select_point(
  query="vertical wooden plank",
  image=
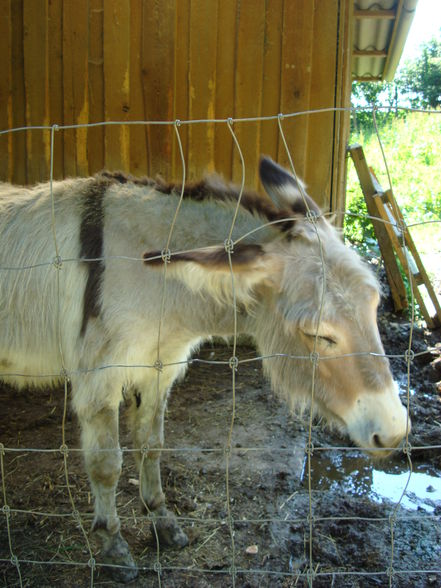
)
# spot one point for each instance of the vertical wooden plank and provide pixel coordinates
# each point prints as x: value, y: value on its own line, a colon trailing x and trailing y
x: 35, y: 70
x: 181, y: 83
x: 116, y: 81
x: 225, y: 68
x: 158, y: 75
x: 138, y: 134
x: 343, y: 99
x: 297, y: 45
x: 95, y: 136
x: 202, y: 77
x: 271, y: 75
x: 249, y: 80
x: 75, y: 81
x: 320, y: 144
x: 55, y: 80
x: 5, y: 87
x: 18, y: 151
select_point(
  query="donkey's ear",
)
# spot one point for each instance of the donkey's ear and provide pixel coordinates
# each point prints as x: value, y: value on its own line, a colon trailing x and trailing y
x: 285, y: 190
x: 209, y: 269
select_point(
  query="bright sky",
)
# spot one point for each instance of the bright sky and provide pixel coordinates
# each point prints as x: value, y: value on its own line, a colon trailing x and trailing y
x: 426, y: 24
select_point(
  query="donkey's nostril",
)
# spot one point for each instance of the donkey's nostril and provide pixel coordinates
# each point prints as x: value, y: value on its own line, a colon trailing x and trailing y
x: 376, y: 441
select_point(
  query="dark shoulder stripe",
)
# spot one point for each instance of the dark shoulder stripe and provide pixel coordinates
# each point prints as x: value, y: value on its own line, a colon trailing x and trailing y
x: 91, y: 247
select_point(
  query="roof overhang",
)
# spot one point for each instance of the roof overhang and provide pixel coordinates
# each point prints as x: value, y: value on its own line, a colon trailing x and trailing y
x: 380, y: 32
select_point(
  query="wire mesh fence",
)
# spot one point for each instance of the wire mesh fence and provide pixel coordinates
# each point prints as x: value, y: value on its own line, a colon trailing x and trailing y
x: 73, y: 502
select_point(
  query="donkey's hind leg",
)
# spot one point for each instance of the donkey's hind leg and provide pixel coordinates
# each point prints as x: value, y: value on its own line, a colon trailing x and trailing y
x: 103, y: 457
x: 147, y: 424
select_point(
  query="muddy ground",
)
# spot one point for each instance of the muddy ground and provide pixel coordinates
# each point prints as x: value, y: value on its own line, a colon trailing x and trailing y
x: 268, y: 488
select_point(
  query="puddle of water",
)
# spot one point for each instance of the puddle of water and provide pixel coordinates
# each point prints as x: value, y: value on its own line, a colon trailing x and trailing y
x: 422, y: 491
x: 356, y: 475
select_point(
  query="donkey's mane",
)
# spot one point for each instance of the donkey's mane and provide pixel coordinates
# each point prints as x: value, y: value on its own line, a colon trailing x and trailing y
x: 212, y: 188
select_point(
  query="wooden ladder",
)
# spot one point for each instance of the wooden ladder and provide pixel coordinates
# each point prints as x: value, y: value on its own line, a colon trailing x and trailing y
x: 394, y: 237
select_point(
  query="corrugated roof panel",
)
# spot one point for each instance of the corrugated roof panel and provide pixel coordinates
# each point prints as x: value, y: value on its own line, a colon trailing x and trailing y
x: 380, y: 32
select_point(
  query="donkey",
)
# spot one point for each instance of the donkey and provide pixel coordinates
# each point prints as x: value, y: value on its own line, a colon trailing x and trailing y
x: 308, y: 300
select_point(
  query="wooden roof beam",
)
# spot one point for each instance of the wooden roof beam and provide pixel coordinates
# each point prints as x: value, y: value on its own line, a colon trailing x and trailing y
x: 366, y: 78
x: 377, y: 14
x: 369, y: 53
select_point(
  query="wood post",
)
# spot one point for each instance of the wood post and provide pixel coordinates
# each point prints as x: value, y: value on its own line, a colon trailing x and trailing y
x: 394, y: 238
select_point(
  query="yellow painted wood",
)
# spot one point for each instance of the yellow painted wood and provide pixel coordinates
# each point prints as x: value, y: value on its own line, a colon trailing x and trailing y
x: 35, y: 76
x: 158, y: 60
x: 202, y: 84
x: 95, y: 135
x: 116, y: 82
x: 5, y: 84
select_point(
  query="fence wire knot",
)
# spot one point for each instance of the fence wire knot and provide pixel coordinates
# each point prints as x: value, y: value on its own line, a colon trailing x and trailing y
x: 280, y: 116
x: 309, y: 449
x: 92, y: 563
x: 57, y: 262
x: 229, y: 246
x: 6, y: 510
x: 64, y: 374
x: 233, y: 362
x: 312, y: 216
x: 14, y: 560
x: 314, y: 357
x: 407, y: 449
x: 401, y: 227
x: 390, y: 572
x: 166, y: 255
x: 76, y: 516
x: 158, y: 365
x: 409, y: 355
x: 177, y: 123
x: 157, y: 567
x: 310, y: 574
x: 64, y: 450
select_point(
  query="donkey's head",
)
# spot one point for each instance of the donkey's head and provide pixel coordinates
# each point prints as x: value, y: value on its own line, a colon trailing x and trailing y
x: 324, y: 310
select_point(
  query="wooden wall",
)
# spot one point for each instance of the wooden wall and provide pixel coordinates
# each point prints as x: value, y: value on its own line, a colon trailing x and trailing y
x: 77, y: 61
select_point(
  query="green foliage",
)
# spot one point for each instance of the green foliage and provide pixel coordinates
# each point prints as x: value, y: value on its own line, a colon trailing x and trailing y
x: 358, y: 227
x: 413, y: 151
x: 417, y: 84
x: 371, y: 94
x: 420, y: 79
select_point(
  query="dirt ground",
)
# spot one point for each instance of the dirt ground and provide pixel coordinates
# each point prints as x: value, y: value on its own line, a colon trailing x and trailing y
x: 268, y: 488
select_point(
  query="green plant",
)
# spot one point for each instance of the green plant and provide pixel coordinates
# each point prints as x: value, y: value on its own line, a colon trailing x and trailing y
x: 413, y: 153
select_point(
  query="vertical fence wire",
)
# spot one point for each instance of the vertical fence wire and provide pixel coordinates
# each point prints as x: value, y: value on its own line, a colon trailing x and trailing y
x: 160, y: 399
x: 407, y: 446
x: 315, y: 356
x: 234, y: 364
x: 64, y: 449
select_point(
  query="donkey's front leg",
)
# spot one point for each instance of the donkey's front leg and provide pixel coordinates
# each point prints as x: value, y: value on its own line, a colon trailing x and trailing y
x: 147, y: 418
x: 103, y: 463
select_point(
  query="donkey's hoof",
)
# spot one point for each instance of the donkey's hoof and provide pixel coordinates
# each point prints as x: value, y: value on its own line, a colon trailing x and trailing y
x: 121, y: 565
x: 124, y: 575
x: 168, y: 530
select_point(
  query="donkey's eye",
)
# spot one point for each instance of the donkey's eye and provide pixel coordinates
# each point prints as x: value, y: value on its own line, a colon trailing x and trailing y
x: 326, y: 340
